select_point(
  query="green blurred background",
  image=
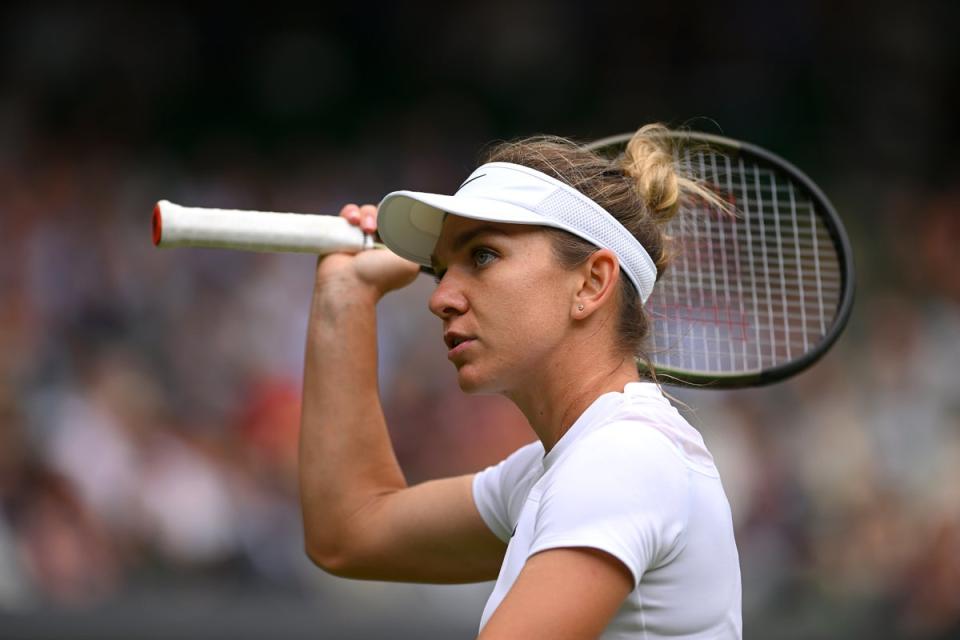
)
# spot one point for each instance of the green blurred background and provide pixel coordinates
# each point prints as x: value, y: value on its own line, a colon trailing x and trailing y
x: 149, y: 399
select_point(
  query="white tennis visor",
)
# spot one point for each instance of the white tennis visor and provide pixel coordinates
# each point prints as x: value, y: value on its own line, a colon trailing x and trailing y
x: 409, y: 222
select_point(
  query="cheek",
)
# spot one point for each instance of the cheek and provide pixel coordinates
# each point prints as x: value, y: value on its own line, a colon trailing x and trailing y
x: 535, y: 311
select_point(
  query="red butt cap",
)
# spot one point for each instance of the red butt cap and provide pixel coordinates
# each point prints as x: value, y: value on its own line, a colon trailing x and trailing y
x: 157, y: 225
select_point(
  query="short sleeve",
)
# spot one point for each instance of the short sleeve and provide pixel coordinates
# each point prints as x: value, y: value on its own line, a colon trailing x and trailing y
x: 623, y: 490
x: 499, y: 491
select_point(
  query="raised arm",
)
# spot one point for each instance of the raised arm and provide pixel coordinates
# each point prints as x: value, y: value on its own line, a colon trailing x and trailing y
x: 360, y: 518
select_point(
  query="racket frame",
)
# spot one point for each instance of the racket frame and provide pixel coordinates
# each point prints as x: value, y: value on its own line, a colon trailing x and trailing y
x: 834, y: 227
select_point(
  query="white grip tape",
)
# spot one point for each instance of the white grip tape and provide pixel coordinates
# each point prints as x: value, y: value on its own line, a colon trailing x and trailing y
x: 176, y: 226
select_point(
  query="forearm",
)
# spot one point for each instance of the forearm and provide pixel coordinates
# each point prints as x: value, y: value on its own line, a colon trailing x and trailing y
x: 346, y: 458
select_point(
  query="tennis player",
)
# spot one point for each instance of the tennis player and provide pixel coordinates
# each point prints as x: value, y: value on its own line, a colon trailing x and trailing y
x: 614, y: 524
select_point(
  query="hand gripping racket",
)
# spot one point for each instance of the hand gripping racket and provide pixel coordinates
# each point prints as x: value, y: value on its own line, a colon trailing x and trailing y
x: 750, y: 298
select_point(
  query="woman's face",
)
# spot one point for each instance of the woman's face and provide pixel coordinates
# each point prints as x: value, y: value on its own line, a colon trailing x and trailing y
x: 504, y: 300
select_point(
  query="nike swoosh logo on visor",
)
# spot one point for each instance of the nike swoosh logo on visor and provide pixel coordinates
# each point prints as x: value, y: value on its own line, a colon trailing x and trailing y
x: 469, y: 180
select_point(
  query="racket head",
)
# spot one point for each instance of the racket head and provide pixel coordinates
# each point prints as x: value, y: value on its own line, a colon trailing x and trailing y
x: 751, y: 297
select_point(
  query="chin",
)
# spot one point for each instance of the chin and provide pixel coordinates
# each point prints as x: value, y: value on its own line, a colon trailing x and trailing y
x: 470, y: 385
x: 475, y: 382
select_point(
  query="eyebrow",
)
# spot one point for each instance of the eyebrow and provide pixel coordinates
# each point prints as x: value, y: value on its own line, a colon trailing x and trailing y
x: 464, y: 238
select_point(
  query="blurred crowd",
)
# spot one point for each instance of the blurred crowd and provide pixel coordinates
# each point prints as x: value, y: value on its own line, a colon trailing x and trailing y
x: 150, y: 407
x: 149, y: 399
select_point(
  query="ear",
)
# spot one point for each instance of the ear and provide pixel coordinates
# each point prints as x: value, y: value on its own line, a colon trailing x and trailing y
x: 600, y: 274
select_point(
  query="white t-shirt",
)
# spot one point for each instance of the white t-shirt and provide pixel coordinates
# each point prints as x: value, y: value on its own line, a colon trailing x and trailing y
x: 632, y: 478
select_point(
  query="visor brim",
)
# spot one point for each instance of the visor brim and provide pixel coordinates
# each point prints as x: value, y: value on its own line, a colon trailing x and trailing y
x: 409, y: 222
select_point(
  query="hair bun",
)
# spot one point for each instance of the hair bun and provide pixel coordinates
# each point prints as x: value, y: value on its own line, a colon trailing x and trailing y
x: 648, y: 159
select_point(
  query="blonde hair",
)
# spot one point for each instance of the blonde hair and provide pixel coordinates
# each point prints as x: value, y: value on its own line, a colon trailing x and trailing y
x: 643, y: 188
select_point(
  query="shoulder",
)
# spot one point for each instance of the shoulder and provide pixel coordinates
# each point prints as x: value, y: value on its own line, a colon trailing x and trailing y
x: 646, y: 407
x: 622, y: 489
x: 500, y: 490
x: 623, y: 458
x: 525, y: 457
x: 510, y: 473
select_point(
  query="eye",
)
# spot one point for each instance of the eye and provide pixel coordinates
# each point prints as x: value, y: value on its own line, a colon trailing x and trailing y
x: 483, y: 256
x: 438, y: 275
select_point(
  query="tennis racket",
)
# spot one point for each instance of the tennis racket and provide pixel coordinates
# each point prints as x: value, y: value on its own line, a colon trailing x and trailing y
x: 750, y: 298
x: 754, y: 296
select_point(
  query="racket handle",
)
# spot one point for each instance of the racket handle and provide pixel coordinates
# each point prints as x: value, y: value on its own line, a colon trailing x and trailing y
x: 176, y: 226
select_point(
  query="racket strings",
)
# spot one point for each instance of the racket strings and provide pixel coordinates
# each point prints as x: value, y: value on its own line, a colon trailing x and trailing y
x: 745, y: 292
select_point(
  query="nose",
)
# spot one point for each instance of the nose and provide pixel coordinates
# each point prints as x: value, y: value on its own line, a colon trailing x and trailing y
x: 448, y: 299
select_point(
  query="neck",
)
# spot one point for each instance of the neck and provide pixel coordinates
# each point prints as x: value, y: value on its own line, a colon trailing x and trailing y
x: 566, y: 387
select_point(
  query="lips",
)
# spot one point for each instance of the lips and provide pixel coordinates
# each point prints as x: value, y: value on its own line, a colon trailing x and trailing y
x: 454, y: 338
x: 457, y: 342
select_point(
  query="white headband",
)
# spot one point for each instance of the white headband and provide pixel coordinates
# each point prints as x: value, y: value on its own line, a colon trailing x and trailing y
x: 409, y: 222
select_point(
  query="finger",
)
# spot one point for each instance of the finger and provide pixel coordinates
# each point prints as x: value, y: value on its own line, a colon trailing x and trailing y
x: 351, y: 212
x: 368, y: 218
